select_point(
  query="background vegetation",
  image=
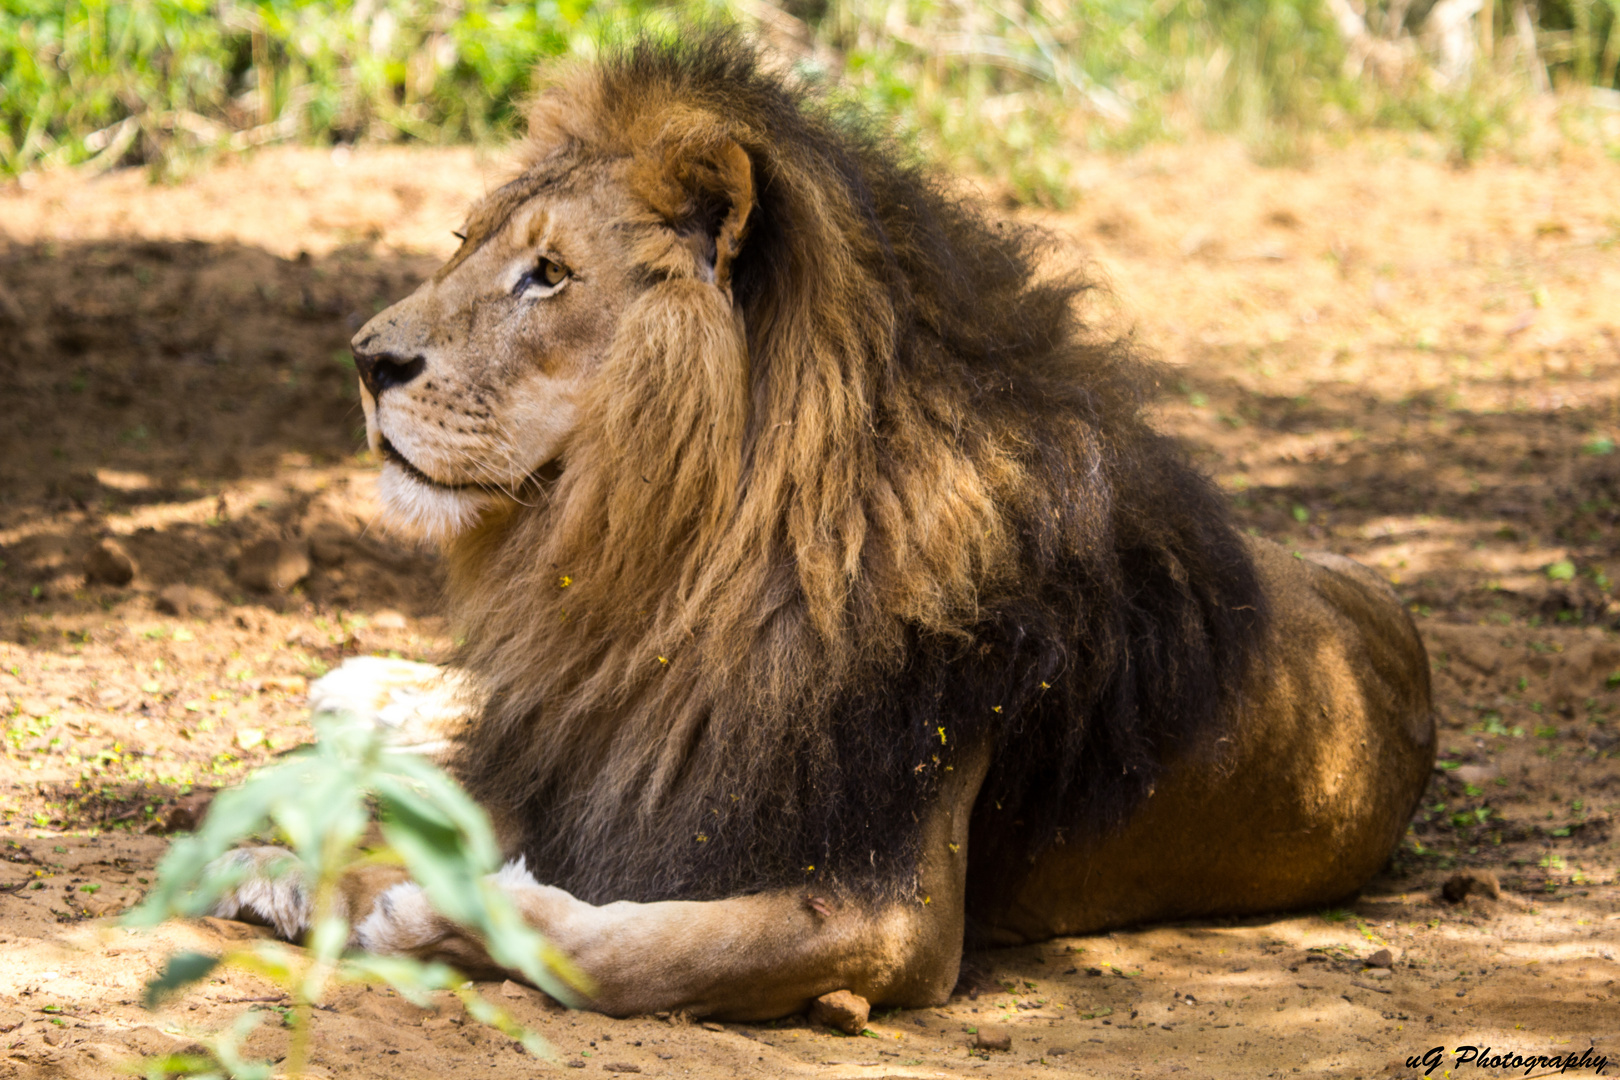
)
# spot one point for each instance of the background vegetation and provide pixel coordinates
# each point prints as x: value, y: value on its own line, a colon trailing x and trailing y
x: 998, y: 85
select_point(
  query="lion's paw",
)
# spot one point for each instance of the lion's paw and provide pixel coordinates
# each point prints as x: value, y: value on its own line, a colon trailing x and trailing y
x: 274, y: 890
x: 401, y: 921
x: 414, y: 705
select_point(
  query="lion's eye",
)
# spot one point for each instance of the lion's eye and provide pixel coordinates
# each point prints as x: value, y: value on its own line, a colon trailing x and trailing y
x: 547, y: 274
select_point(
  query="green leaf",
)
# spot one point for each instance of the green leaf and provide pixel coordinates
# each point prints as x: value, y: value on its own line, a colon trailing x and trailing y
x: 486, y: 1012
x: 432, y: 849
x: 181, y: 889
x: 273, y: 960
x: 329, y: 936
x: 1562, y: 570
x: 194, y: 1066
x: 181, y: 970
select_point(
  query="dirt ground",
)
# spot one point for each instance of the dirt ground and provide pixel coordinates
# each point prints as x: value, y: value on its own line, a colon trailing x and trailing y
x: 1378, y: 354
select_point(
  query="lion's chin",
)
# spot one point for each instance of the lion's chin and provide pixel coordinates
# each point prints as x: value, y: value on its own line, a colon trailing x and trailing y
x: 427, y: 512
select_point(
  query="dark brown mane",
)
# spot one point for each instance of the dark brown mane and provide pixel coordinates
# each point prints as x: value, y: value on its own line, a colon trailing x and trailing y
x: 911, y: 506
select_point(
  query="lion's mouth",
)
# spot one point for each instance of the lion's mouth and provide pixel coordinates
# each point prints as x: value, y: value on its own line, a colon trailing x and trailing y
x: 391, y: 452
x: 544, y: 475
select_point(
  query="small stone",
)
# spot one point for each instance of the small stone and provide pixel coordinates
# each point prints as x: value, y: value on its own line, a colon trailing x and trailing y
x: 842, y: 1010
x: 273, y: 565
x: 1379, y: 973
x: 187, y: 601
x: 514, y: 991
x: 992, y: 1038
x: 55, y: 1036
x: 11, y: 1020
x: 709, y: 1025
x: 620, y: 1067
x: 576, y: 1063
x: 1383, y: 958
x: 1465, y: 883
x: 388, y: 620
x: 109, y: 564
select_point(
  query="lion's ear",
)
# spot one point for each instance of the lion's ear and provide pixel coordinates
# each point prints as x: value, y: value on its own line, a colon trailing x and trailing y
x: 706, y: 193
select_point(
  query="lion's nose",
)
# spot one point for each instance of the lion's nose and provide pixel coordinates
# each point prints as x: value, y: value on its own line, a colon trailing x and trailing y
x: 381, y: 370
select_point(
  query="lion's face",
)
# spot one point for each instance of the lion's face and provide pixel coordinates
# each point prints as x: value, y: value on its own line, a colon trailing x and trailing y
x: 473, y: 383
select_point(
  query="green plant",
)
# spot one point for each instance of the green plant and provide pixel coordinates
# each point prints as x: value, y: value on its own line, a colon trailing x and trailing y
x: 317, y: 800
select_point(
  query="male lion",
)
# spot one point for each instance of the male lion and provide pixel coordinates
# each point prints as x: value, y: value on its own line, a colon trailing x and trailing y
x: 828, y: 598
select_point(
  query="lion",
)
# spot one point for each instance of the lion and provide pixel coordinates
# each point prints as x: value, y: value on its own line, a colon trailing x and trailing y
x: 830, y: 602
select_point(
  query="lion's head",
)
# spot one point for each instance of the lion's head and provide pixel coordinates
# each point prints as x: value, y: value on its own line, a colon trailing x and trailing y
x: 475, y: 383
x: 770, y: 473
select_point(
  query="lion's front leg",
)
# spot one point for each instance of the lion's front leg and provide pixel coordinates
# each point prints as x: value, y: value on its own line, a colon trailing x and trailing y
x: 418, y: 707
x: 743, y: 958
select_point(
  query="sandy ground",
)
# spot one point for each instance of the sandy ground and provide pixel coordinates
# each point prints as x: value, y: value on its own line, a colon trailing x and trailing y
x: 1380, y: 355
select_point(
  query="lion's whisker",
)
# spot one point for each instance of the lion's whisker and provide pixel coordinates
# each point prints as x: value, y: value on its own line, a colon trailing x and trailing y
x: 506, y: 446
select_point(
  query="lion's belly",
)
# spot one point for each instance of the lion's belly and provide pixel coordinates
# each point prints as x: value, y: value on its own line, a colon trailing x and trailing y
x: 1305, y: 801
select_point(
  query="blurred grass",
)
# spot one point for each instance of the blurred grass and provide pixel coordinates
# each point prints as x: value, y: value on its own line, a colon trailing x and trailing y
x: 1010, y: 90
x: 150, y: 80
x: 1007, y: 89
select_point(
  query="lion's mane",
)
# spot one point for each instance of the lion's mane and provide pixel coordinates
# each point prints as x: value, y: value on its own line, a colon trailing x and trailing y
x: 804, y: 549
